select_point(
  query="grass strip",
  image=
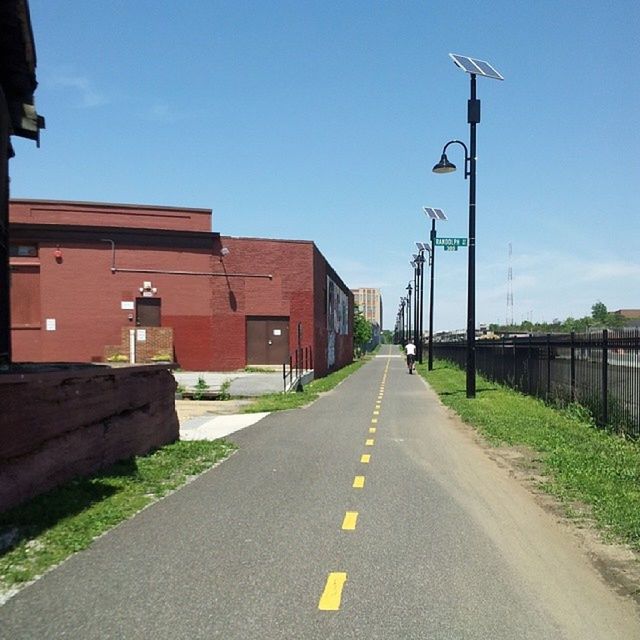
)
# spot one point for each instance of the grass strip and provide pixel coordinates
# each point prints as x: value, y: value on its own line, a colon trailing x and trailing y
x: 46, y: 530
x: 582, y: 463
x: 295, y: 399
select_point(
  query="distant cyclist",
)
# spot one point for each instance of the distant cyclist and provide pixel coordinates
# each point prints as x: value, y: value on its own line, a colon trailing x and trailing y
x: 410, y: 348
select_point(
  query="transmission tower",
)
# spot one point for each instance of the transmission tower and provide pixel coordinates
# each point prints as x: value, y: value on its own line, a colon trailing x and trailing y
x: 510, y: 291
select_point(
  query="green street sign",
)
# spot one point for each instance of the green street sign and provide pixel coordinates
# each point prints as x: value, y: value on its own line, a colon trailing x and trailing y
x: 451, y: 242
x: 448, y: 247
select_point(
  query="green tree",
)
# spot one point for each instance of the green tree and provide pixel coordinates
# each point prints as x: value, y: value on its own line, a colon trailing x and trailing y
x: 362, y: 331
x: 599, y: 313
x: 387, y: 336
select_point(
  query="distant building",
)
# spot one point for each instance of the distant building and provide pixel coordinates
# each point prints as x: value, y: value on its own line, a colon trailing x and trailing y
x: 369, y: 301
x: 631, y: 316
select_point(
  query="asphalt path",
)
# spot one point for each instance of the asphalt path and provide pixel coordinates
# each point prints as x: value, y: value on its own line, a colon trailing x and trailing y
x: 299, y: 536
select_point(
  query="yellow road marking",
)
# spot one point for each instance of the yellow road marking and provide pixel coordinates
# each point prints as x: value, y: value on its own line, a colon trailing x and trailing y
x: 332, y: 594
x: 358, y: 482
x: 369, y: 442
x: 372, y: 429
x: 376, y: 413
x: 350, y: 519
x: 365, y: 457
x: 374, y: 420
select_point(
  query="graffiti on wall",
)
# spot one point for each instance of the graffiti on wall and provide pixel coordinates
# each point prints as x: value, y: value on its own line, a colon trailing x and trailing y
x: 337, y: 318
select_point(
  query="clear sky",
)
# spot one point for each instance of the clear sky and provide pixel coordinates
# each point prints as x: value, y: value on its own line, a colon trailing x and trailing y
x: 321, y: 120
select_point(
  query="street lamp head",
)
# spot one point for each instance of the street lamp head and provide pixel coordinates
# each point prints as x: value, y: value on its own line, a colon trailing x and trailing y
x: 444, y: 166
x: 409, y: 287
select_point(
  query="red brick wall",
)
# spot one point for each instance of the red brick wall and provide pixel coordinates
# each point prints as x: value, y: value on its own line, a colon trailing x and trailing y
x: 62, y: 423
x: 158, y: 342
x: 207, y: 313
x: 110, y: 215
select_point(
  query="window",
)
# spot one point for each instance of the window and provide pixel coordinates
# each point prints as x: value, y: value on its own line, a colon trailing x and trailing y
x: 23, y: 251
x: 25, y: 296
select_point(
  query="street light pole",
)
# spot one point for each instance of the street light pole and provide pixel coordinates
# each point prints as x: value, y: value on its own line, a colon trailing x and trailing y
x: 473, y: 67
x: 409, y: 312
x: 432, y: 256
x: 420, y: 263
x: 416, y: 300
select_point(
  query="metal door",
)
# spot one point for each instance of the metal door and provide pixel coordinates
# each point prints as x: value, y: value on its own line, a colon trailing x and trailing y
x: 148, y: 312
x: 267, y: 340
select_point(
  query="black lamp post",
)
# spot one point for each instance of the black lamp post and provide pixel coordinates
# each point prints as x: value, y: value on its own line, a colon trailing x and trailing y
x: 434, y: 214
x: 473, y: 67
x: 416, y: 299
x: 409, y: 310
x: 418, y: 262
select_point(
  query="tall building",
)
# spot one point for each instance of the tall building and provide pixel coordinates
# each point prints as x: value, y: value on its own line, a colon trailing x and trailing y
x: 369, y: 301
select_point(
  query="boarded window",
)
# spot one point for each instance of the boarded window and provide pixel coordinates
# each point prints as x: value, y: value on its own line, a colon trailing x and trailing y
x: 25, y: 296
x: 23, y: 250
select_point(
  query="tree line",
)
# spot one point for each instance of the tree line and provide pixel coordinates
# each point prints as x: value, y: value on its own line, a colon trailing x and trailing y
x: 600, y: 318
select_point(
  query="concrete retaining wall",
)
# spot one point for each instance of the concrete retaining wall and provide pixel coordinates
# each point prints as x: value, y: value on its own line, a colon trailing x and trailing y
x: 58, y: 422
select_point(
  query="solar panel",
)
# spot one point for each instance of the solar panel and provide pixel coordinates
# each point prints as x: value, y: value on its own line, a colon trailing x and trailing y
x: 475, y: 66
x: 423, y: 246
x: 435, y: 214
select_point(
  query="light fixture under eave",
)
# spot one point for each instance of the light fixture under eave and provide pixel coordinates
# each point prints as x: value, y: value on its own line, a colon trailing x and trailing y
x: 444, y: 166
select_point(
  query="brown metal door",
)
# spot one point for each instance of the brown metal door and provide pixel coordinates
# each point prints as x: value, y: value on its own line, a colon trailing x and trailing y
x: 148, y: 312
x: 267, y: 340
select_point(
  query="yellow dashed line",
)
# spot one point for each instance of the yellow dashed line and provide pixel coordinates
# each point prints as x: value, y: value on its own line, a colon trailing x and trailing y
x: 374, y: 420
x: 365, y: 458
x: 372, y: 429
x: 350, y: 519
x: 358, y: 482
x: 369, y: 442
x: 332, y: 594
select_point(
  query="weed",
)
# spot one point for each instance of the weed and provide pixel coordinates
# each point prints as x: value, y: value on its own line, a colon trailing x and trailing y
x: 224, y: 390
x: 201, y: 388
x: 118, y: 357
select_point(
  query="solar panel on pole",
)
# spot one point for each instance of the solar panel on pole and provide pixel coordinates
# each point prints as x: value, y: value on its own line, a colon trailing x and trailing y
x: 434, y: 214
x: 476, y: 66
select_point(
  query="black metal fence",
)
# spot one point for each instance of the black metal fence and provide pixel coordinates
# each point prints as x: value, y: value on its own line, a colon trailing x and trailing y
x: 600, y: 371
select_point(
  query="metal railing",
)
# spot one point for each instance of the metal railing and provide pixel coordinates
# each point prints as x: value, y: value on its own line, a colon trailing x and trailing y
x: 300, y: 362
x: 599, y: 370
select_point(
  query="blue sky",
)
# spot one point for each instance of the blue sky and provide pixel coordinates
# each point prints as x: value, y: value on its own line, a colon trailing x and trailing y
x: 322, y: 121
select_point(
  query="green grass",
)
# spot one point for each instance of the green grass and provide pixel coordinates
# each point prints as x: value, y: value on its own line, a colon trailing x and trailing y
x: 49, y: 528
x: 293, y: 400
x: 582, y: 463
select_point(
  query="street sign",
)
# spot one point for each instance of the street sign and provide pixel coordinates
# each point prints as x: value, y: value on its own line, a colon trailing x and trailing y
x: 451, y: 242
x: 449, y: 247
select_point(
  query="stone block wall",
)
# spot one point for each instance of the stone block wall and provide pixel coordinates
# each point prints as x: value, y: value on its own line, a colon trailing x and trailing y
x: 67, y: 421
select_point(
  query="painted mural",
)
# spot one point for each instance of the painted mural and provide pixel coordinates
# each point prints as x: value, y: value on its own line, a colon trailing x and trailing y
x: 337, y: 318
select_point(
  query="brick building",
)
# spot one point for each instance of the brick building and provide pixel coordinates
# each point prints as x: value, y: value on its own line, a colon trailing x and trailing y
x: 369, y: 301
x: 91, y: 282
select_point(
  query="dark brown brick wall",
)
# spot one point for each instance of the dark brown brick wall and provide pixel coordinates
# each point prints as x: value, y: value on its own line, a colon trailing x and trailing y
x: 74, y: 421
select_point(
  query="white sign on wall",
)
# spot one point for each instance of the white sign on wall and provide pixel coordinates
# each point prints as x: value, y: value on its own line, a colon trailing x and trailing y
x: 141, y: 335
x: 50, y: 324
x: 127, y: 304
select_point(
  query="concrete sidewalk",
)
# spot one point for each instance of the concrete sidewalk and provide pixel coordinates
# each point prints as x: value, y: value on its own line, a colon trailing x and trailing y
x: 244, y: 384
x: 212, y: 419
